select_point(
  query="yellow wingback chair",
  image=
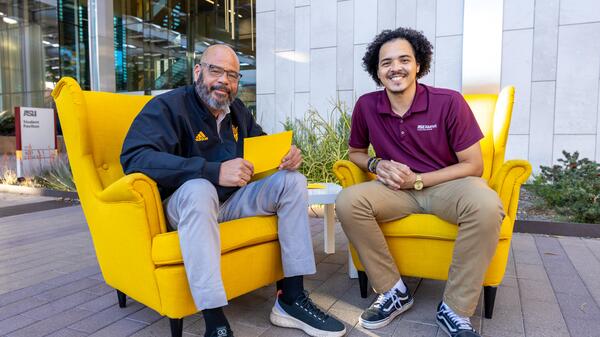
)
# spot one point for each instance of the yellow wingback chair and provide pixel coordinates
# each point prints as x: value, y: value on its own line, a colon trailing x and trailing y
x: 422, y: 244
x: 136, y: 254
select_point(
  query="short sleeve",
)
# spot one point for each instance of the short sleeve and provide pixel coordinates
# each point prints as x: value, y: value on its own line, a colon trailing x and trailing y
x: 359, y: 130
x: 463, y: 128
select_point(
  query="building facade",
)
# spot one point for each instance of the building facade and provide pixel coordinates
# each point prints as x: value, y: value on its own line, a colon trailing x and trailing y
x: 153, y: 47
x: 309, y: 54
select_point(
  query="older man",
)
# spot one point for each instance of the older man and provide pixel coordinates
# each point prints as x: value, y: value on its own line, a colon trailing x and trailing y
x: 190, y: 141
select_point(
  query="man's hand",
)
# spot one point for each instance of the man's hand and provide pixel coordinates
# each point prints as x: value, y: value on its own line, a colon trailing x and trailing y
x: 235, y: 172
x: 292, y: 160
x: 395, y: 175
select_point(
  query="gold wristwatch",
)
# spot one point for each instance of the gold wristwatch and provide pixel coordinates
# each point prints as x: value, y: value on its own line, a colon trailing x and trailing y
x: 418, y: 183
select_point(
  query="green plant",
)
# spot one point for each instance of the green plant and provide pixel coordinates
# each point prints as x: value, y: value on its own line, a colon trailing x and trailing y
x: 7, y: 123
x: 323, y: 141
x: 9, y: 177
x: 571, y: 188
x: 57, y: 175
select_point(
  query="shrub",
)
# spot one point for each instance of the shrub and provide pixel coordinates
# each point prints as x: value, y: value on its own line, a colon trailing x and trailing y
x: 57, y: 175
x: 323, y: 141
x: 572, y: 188
x: 7, y: 123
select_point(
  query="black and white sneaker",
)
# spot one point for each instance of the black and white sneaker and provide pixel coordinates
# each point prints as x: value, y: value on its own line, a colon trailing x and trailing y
x: 385, y: 308
x: 221, y: 331
x: 452, y: 324
x: 303, y: 314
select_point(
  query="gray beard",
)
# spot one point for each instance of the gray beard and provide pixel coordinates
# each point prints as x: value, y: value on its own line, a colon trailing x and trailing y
x: 204, y: 94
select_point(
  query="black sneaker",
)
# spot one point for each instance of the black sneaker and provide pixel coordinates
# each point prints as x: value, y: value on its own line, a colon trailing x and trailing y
x: 303, y: 314
x: 452, y: 324
x: 385, y: 308
x: 221, y: 331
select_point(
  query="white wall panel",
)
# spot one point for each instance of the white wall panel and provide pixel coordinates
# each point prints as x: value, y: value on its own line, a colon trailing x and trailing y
x: 323, y: 79
x: 365, y: 25
x: 323, y: 23
x: 516, y: 70
x: 577, y: 79
x: 302, y: 50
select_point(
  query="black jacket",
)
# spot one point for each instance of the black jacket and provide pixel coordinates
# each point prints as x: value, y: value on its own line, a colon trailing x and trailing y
x: 174, y: 139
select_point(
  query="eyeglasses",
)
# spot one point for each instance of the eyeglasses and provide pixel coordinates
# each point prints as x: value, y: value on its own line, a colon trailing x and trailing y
x: 217, y: 71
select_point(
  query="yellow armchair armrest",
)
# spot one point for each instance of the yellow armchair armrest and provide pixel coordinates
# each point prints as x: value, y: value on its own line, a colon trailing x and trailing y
x: 138, y: 188
x: 350, y: 174
x: 123, y: 190
x: 507, y: 183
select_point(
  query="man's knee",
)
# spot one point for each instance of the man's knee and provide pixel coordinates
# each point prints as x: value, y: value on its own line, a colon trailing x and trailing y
x: 291, y: 181
x: 486, y: 208
x: 294, y: 179
x: 348, y: 201
x: 197, y: 194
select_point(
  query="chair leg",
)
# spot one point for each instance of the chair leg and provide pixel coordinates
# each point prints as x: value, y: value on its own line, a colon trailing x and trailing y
x: 122, y: 299
x: 489, y: 297
x: 362, y: 282
x: 176, y: 327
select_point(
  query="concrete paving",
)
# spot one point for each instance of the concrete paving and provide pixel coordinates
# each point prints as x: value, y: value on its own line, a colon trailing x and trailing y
x: 50, y: 285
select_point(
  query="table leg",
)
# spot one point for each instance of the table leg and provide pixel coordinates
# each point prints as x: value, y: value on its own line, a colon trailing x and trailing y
x: 352, y: 272
x: 329, y: 219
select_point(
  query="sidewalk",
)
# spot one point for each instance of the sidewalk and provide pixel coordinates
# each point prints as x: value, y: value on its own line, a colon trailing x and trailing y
x: 50, y: 285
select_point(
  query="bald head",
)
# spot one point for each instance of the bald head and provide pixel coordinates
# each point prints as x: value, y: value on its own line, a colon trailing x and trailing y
x: 221, y: 53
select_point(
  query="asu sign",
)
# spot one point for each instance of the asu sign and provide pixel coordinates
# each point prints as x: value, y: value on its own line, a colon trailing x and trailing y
x: 35, y: 130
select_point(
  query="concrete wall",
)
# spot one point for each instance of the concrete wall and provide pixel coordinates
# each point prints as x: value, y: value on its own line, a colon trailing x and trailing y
x: 551, y: 53
x: 309, y: 53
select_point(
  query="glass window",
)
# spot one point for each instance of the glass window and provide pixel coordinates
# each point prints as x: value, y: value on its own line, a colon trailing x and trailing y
x: 40, y: 42
x: 158, y: 42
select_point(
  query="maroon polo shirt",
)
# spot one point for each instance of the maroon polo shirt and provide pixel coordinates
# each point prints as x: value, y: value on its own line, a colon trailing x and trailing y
x: 438, y: 124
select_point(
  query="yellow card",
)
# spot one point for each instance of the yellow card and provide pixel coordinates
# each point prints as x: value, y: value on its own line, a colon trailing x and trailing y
x: 266, y: 152
x: 315, y: 186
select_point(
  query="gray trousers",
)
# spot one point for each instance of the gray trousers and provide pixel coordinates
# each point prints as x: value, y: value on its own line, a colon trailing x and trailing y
x: 195, y: 212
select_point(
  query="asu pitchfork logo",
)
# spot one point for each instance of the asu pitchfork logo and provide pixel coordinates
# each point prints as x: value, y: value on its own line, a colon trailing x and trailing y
x: 234, y: 129
x: 201, y: 137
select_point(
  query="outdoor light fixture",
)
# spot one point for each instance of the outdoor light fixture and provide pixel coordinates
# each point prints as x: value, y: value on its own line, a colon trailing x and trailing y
x: 8, y: 20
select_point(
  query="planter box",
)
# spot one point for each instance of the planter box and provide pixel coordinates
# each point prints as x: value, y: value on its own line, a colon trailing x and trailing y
x: 558, y: 228
x: 8, y: 144
x: 43, y: 192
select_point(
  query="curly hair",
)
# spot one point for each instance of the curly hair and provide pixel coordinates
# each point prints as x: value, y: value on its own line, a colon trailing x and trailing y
x: 422, y: 49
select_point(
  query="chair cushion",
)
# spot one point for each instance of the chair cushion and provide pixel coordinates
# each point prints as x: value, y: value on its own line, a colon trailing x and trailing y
x: 432, y: 227
x: 235, y: 234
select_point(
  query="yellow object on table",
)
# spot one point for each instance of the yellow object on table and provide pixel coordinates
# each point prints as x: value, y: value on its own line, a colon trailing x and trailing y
x: 315, y: 186
x: 266, y: 152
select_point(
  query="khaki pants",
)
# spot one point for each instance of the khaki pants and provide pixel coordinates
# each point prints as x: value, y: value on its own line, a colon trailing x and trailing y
x: 468, y: 202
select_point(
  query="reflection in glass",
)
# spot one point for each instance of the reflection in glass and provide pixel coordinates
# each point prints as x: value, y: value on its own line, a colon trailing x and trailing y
x: 157, y: 43
x: 40, y: 41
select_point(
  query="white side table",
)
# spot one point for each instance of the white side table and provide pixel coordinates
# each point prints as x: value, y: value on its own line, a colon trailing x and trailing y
x: 326, y: 196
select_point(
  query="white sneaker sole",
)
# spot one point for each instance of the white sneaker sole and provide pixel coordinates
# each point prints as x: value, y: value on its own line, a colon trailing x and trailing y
x: 384, y: 322
x: 443, y: 327
x: 286, y: 321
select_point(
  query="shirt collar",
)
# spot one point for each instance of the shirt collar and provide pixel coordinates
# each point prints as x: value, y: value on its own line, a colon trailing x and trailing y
x: 222, y: 115
x: 419, y: 104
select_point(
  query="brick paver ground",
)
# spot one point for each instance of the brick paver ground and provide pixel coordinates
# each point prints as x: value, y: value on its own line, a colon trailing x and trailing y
x: 50, y: 285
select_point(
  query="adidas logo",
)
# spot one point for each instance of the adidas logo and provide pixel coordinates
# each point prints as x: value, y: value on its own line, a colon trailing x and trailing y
x: 200, y: 137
